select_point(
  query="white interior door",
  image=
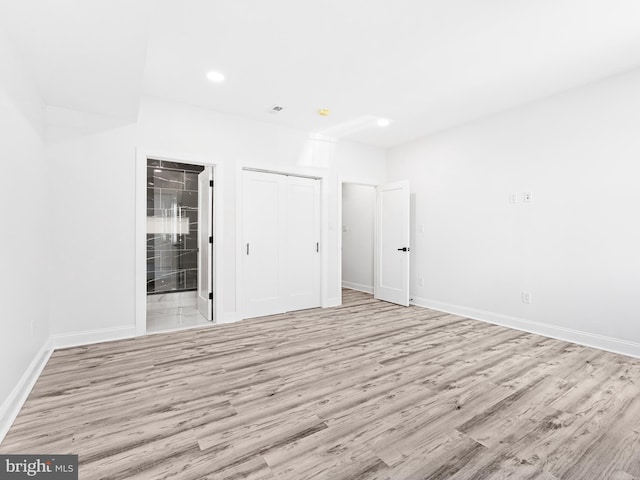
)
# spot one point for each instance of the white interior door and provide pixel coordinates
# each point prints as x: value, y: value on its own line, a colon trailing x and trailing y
x: 205, y: 243
x: 263, y: 244
x: 302, y: 266
x: 391, y: 264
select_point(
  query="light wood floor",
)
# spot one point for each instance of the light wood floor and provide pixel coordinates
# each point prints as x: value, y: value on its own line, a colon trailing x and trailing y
x: 369, y: 390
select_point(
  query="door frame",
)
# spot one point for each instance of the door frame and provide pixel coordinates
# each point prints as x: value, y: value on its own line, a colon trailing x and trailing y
x: 142, y: 155
x: 324, y: 227
x: 341, y: 182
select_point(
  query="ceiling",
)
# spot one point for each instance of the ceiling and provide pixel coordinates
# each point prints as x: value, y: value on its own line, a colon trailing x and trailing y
x: 424, y: 64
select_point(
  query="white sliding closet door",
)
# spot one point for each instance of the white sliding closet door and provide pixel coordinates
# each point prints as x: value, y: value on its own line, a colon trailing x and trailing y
x: 264, y: 246
x: 303, y: 249
x: 281, y: 251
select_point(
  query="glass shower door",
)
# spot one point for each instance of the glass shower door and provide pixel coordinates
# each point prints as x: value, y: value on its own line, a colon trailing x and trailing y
x: 172, y: 227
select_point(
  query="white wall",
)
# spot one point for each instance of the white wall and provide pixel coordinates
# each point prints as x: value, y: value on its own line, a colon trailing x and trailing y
x: 26, y: 237
x: 574, y: 247
x: 358, y: 210
x: 91, y: 184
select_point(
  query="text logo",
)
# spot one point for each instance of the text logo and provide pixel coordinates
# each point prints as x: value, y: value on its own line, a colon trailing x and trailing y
x: 50, y: 467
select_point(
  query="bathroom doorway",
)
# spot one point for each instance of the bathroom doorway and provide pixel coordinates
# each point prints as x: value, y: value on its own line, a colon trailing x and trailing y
x: 172, y: 244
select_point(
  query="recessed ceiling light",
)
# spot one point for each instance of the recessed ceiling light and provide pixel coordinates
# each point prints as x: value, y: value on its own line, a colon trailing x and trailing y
x: 383, y: 122
x: 216, y: 77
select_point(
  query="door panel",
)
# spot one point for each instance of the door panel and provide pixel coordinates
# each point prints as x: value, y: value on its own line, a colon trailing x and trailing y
x: 205, y: 248
x: 263, y: 228
x: 392, y: 235
x: 303, y: 236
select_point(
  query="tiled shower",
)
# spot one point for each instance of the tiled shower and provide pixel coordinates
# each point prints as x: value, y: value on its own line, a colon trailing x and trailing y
x: 172, y: 226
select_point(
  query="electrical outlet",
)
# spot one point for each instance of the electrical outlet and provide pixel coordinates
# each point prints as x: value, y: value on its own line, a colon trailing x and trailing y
x: 420, y: 282
x: 513, y: 197
x: 526, y: 297
x: 527, y: 197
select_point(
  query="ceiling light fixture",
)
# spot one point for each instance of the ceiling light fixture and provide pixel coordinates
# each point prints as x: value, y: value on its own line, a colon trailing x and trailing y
x: 383, y: 122
x: 216, y: 77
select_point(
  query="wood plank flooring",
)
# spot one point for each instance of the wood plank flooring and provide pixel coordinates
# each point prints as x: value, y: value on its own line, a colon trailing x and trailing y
x: 368, y: 390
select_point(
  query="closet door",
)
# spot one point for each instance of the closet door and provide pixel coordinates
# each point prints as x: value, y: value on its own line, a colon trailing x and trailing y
x: 263, y: 244
x: 281, y: 250
x: 302, y: 266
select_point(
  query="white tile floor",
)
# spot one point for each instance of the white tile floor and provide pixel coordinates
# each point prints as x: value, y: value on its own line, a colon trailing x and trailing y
x: 164, y: 316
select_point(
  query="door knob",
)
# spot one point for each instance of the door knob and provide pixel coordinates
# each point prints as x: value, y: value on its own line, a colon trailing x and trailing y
x: 404, y: 249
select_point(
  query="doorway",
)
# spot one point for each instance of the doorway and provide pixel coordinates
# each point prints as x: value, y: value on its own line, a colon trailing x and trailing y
x: 375, y: 240
x: 358, y: 231
x: 174, y: 265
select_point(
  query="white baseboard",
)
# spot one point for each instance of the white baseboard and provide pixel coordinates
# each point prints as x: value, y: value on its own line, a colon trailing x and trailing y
x: 602, y: 342
x: 358, y: 286
x: 76, y: 339
x: 13, y: 403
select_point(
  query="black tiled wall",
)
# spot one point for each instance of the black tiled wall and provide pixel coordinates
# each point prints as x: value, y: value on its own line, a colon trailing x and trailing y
x: 172, y: 190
